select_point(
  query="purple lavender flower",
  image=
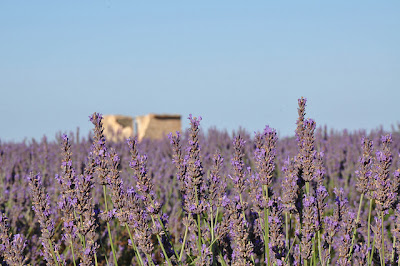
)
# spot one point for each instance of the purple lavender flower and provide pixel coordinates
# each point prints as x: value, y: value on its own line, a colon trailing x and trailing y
x: 42, y: 208
x: 144, y: 183
x: 265, y: 154
x: 277, y: 238
x: 309, y: 226
x: 384, y: 194
x: 307, y: 153
x: 290, y: 189
x: 242, y: 249
x: 239, y: 176
x: 346, y: 221
x: 99, y: 148
x: 216, y: 183
x: 68, y: 199
x: 85, y: 212
x: 364, y: 172
x: 300, y: 121
x: 11, y: 251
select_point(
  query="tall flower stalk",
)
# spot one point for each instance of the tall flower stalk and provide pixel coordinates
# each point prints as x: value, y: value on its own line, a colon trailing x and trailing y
x: 190, y: 176
x: 384, y: 193
x: 100, y: 151
x: 144, y: 185
x: 42, y: 208
x: 265, y: 163
x: 67, y: 200
x: 364, y: 179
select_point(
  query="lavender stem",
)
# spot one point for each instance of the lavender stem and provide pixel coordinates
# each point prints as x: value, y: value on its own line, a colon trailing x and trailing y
x: 369, y: 222
x: 216, y: 218
x: 266, y: 224
x: 355, y: 229
x: 287, y: 230
x: 383, y: 243
x: 394, y: 247
x: 184, y: 240
x: 73, y: 254
x: 108, y: 227
x: 372, y: 252
x: 161, y: 244
x: 319, y: 246
x: 138, y: 257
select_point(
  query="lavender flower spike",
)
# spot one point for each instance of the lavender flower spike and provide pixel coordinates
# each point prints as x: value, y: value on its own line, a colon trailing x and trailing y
x: 384, y: 194
x: 12, y: 251
x: 265, y: 155
x: 41, y: 206
x: 364, y: 172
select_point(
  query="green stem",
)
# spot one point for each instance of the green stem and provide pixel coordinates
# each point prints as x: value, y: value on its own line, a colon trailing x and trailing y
x: 394, y: 247
x: 355, y: 229
x: 184, y: 239
x: 212, y: 225
x: 149, y: 259
x: 108, y: 227
x: 138, y: 257
x: 52, y: 252
x: 383, y: 243
x: 372, y: 252
x: 95, y: 259
x: 290, y: 250
x: 308, y: 188
x: 320, y: 247
x: 165, y: 231
x: 369, y: 222
x: 287, y: 230
x: 73, y: 254
x: 161, y: 244
x: 266, y: 224
x: 198, y: 223
x: 222, y: 260
x: 216, y: 218
x: 329, y: 252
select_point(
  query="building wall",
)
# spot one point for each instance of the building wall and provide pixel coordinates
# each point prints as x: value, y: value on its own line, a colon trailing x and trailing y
x: 155, y: 126
x: 117, y: 127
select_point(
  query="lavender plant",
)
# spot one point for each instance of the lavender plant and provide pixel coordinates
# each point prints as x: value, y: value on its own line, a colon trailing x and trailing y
x: 154, y: 202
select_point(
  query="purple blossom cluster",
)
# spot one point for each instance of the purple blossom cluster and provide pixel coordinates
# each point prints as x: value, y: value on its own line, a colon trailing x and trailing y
x: 203, y: 198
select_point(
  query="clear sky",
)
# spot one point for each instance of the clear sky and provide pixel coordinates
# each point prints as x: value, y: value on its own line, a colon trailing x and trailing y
x: 235, y: 63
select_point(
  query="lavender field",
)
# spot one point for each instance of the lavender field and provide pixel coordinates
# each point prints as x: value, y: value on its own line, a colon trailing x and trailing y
x: 203, y: 198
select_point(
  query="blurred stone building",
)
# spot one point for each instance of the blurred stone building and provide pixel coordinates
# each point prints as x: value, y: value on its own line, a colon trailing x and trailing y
x: 152, y: 126
x: 118, y: 127
x: 157, y: 126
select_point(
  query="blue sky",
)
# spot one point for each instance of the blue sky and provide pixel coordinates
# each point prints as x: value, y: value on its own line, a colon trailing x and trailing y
x: 235, y: 63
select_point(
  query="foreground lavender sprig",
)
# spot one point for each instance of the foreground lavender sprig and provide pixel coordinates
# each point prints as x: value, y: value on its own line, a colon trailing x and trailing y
x: 41, y: 206
x: 190, y: 175
x: 239, y: 176
x: 145, y: 187
x: 265, y: 154
x: 216, y: 191
x: 11, y: 251
x: 99, y: 150
x: 85, y: 213
x: 67, y: 200
x: 364, y: 172
x: 242, y: 249
x: 127, y: 210
x: 277, y: 243
x: 364, y: 180
x: 309, y: 226
x: 384, y: 194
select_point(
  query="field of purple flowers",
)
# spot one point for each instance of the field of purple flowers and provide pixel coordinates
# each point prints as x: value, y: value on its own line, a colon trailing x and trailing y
x: 203, y: 198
